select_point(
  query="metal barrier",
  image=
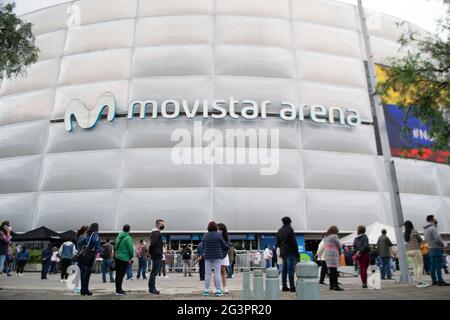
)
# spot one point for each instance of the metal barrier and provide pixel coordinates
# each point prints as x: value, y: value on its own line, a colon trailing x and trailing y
x: 249, y: 260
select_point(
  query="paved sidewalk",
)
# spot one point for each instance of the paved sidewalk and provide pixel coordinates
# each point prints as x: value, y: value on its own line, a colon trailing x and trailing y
x: 176, y: 286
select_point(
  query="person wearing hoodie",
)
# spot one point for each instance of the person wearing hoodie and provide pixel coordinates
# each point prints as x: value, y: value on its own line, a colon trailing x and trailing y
x: 156, y: 252
x: 362, y: 248
x: 287, y: 243
x: 436, y: 245
x: 66, y: 252
x: 5, y: 241
x: 124, y: 252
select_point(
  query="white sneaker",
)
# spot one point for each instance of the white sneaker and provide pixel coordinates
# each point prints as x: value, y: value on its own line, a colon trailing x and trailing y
x: 62, y: 280
x: 166, y: 277
x: 225, y: 290
x: 422, y: 285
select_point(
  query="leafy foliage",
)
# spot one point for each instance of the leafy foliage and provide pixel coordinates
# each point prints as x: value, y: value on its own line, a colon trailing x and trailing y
x: 418, y: 79
x: 17, y: 43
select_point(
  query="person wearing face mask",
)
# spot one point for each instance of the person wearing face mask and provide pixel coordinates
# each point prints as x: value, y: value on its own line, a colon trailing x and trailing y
x: 5, y: 241
x: 436, y: 244
x: 156, y: 252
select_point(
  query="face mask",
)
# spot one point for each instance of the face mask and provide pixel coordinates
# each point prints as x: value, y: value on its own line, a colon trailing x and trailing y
x: 161, y: 227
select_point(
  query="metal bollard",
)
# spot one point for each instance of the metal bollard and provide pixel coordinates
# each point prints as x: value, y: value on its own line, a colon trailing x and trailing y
x: 258, y: 285
x: 307, y: 287
x: 246, y: 294
x: 272, y: 284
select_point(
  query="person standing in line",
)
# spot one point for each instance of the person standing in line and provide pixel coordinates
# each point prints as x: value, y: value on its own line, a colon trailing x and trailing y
x: 274, y: 257
x: 5, y: 241
x: 267, y: 257
x: 186, y: 253
x: 279, y: 260
x: 22, y: 259
x: 107, y: 254
x: 66, y: 252
x: 130, y: 266
x: 163, y: 262
x: 222, y: 228
x: 287, y: 243
x: 90, y: 242
x: 156, y: 252
x: 46, y: 260
x: 142, y: 256
x: 321, y: 261
x: 384, y: 246
x: 425, y: 249
x: 331, y: 252
x: 214, y: 247
x: 413, y: 241
x: 54, y: 261
x: 201, y: 262
x: 124, y: 252
x: 232, y: 256
x: 9, y: 261
x: 362, y: 256
x: 436, y: 245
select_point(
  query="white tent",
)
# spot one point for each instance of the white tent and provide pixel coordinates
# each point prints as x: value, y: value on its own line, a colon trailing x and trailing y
x: 373, y: 232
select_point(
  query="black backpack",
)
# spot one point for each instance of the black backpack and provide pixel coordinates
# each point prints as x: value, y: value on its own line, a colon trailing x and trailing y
x: 106, y: 251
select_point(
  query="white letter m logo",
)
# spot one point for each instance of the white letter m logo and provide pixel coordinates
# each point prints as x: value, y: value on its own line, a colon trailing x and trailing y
x: 88, y: 118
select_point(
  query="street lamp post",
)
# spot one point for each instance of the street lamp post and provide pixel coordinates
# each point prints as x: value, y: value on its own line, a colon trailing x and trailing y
x: 394, y: 193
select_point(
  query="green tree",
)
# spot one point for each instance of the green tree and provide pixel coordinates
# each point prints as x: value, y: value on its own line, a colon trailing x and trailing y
x: 17, y: 43
x: 420, y: 78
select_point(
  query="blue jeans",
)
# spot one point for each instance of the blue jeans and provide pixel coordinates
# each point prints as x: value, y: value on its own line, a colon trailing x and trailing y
x: 268, y: 263
x: 142, y: 268
x: 386, y: 267
x: 288, y: 270
x: 129, y: 272
x: 85, y: 275
x: 105, y: 266
x: 2, y: 262
x: 436, y: 256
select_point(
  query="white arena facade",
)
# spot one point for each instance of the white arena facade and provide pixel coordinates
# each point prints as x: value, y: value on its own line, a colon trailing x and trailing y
x: 307, y: 52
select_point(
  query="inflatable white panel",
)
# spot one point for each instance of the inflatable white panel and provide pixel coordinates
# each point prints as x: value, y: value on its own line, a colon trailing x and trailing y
x: 113, y: 35
x: 79, y: 171
x: 253, y: 31
x: 174, y: 7
x: 18, y: 209
x: 416, y: 208
x: 108, y: 65
x: 20, y: 174
x: 324, y: 170
x: 239, y: 209
x: 263, y: 8
x: 172, y: 61
x: 347, y: 210
x: 154, y: 168
x: 51, y: 45
x: 66, y: 210
x: 105, y: 135
x: 173, y: 30
x: 48, y: 20
x: 444, y: 179
x: 31, y: 106
x: 182, y: 209
x: 416, y: 177
x: 106, y: 10
x: 315, y: 37
x: 254, y: 61
x: 23, y: 139
x: 334, y: 138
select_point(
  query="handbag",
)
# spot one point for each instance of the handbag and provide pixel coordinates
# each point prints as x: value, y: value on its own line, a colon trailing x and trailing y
x: 86, y: 254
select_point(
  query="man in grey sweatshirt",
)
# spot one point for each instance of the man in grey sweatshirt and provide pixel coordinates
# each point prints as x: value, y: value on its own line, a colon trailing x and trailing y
x: 436, y: 245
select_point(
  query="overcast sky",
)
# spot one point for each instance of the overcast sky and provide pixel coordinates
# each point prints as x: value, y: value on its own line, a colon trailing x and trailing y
x: 421, y: 12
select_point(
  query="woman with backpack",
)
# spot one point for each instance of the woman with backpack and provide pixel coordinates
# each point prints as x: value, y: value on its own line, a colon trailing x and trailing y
x: 124, y: 250
x: 362, y: 248
x: 88, y: 246
x: 66, y: 252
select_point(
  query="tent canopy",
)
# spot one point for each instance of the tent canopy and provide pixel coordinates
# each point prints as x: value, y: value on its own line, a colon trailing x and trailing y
x: 373, y: 232
x: 69, y: 234
x: 41, y: 233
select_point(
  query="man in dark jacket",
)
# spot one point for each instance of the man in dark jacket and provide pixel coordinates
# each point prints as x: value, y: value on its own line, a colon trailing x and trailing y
x: 287, y: 243
x: 46, y: 257
x: 384, y: 245
x: 186, y: 253
x: 156, y: 252
x: 201, y: 262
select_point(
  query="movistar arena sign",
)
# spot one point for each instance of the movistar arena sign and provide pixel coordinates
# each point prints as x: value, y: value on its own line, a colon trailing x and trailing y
x: 217, y: 109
